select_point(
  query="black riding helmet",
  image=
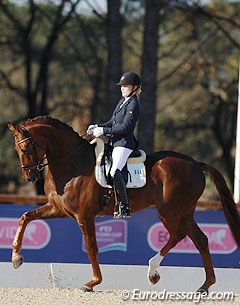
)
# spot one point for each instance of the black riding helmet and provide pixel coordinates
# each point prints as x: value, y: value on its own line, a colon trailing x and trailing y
x: 130, y: 78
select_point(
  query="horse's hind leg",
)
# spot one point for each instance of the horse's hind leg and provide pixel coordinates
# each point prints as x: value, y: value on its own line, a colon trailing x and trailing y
x: 43, y: 212
x: 201, y: 243
x: 154, y: 262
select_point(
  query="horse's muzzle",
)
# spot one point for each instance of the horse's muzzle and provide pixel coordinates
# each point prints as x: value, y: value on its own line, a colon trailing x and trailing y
x: 32, y: 176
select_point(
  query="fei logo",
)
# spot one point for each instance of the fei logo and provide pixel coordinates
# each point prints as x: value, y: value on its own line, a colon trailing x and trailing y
x: 37, y: 234
x: 111, y: 235
x: 219, y: 238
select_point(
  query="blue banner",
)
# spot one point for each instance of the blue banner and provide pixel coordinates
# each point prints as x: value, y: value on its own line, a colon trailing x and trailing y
x: 130, y: 241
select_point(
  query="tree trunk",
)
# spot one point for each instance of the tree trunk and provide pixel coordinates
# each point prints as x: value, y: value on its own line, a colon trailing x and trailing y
x: 149, y: 74
x: 114, y: 46
x: 224, y: 132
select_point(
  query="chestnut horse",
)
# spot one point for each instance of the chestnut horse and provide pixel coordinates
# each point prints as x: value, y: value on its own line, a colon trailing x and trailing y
x: 174, y: 184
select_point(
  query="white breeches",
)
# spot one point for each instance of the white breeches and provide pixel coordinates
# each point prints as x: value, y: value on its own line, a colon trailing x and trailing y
x: 119, y: 157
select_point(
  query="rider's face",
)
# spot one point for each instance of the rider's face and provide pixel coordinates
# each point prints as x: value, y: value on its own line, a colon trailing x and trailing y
x: 126, y: 90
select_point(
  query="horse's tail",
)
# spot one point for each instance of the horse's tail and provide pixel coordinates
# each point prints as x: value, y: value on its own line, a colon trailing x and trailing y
x: 229, y: 206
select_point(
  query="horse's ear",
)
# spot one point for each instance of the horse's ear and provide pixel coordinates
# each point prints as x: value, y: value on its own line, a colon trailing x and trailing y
x: 15, y: 127
x: 11, y: 126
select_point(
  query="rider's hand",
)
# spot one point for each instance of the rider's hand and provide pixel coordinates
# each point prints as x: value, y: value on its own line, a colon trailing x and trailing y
x: 98, y: 131
x: 91, y: 128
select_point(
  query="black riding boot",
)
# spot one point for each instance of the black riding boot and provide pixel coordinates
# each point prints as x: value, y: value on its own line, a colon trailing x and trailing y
x: 120, y: 187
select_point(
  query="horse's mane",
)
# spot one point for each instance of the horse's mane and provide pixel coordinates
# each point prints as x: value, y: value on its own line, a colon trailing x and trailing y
x: 47, y: 120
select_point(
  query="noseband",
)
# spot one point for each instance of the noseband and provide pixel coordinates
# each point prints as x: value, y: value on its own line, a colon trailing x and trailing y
x: 39, y: 165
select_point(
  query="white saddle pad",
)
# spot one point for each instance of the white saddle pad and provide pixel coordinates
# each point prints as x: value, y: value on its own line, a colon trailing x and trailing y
x: 136, y: 176
x: 137, y: 171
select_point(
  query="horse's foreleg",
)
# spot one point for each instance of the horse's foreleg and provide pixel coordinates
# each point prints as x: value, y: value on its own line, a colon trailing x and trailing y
x: 154, y: 262
x: 88, y: 230
x: 45, y: 211
x: 200, y: 241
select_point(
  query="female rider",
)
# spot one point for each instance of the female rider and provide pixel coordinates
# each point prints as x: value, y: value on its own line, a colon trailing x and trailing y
x: 120, y: 129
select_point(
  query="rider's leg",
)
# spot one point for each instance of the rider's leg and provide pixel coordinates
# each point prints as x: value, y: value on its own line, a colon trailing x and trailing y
x: 119, y: 157
x: 120, y: 187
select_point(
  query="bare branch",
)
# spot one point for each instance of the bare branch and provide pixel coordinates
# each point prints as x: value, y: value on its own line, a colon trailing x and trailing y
x: 227, y: 34
x: 11, y: 17
x: 182, y: 63
x: 210, y: 13
x: 32, y: 9
x: 59, y: 25
x: 9, y: 85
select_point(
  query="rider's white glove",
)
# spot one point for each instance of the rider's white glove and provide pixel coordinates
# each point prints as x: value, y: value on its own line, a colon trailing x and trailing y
x: 98, y: 131
x: 91, y: 128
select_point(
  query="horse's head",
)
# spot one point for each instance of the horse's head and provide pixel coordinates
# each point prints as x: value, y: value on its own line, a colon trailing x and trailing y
x: 30, y: 151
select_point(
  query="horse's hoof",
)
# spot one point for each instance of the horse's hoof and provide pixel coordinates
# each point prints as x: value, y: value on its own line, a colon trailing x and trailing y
x: 154, y: 279
x: 86, y: 288
x: 202, y: 291
x: 17, y: 262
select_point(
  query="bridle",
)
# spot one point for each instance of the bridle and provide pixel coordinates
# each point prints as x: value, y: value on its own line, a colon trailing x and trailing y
x: 38, y: 164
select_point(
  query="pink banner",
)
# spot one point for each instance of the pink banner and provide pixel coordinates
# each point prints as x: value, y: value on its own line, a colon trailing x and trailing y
x: 36, y: 236
x: 219, y: 238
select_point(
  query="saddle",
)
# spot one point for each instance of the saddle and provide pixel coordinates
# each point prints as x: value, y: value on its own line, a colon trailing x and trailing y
x: 134, y: 172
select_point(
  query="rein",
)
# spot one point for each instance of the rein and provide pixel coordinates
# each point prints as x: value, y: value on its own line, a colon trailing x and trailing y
x: 39, y: 163
x: 64, y: 156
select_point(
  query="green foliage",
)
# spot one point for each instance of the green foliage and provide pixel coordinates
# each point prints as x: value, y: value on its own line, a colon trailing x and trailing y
x: 197, y: 104
x: 197, y: 73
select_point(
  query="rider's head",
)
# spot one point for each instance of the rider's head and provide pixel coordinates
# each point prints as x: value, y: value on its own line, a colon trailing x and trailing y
x: 130, y: 83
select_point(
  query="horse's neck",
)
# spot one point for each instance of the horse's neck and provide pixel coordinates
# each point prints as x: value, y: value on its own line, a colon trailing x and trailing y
x: 77, y: 160
x: 60, y: 144
x: 67, y: 151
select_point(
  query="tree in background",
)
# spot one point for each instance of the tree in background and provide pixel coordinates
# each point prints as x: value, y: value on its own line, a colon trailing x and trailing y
x: 199, y: 116
x: 186, y: 52
x: 114, y: 52
x: 34, y: 65
x: 147, y: 125
x: 34, y: 88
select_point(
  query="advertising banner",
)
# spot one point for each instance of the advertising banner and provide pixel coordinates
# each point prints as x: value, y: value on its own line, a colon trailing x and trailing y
x: 130, y: 241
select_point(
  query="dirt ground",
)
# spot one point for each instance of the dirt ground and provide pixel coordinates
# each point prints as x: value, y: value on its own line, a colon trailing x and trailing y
x: 56, y: 296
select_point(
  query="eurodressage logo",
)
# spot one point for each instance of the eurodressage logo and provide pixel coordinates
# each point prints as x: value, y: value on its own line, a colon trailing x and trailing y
x: 219, y: 237
x: 37, y: 234
x: 111, y: 235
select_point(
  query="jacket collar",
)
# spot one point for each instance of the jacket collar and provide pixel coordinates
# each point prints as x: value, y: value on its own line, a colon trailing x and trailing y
x: 125, y: 103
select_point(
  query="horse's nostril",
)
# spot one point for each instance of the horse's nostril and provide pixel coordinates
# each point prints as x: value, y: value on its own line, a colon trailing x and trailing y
x: 32, y: 176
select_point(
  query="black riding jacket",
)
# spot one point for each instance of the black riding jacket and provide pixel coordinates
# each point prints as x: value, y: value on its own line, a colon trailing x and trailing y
x: 122, y: 123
